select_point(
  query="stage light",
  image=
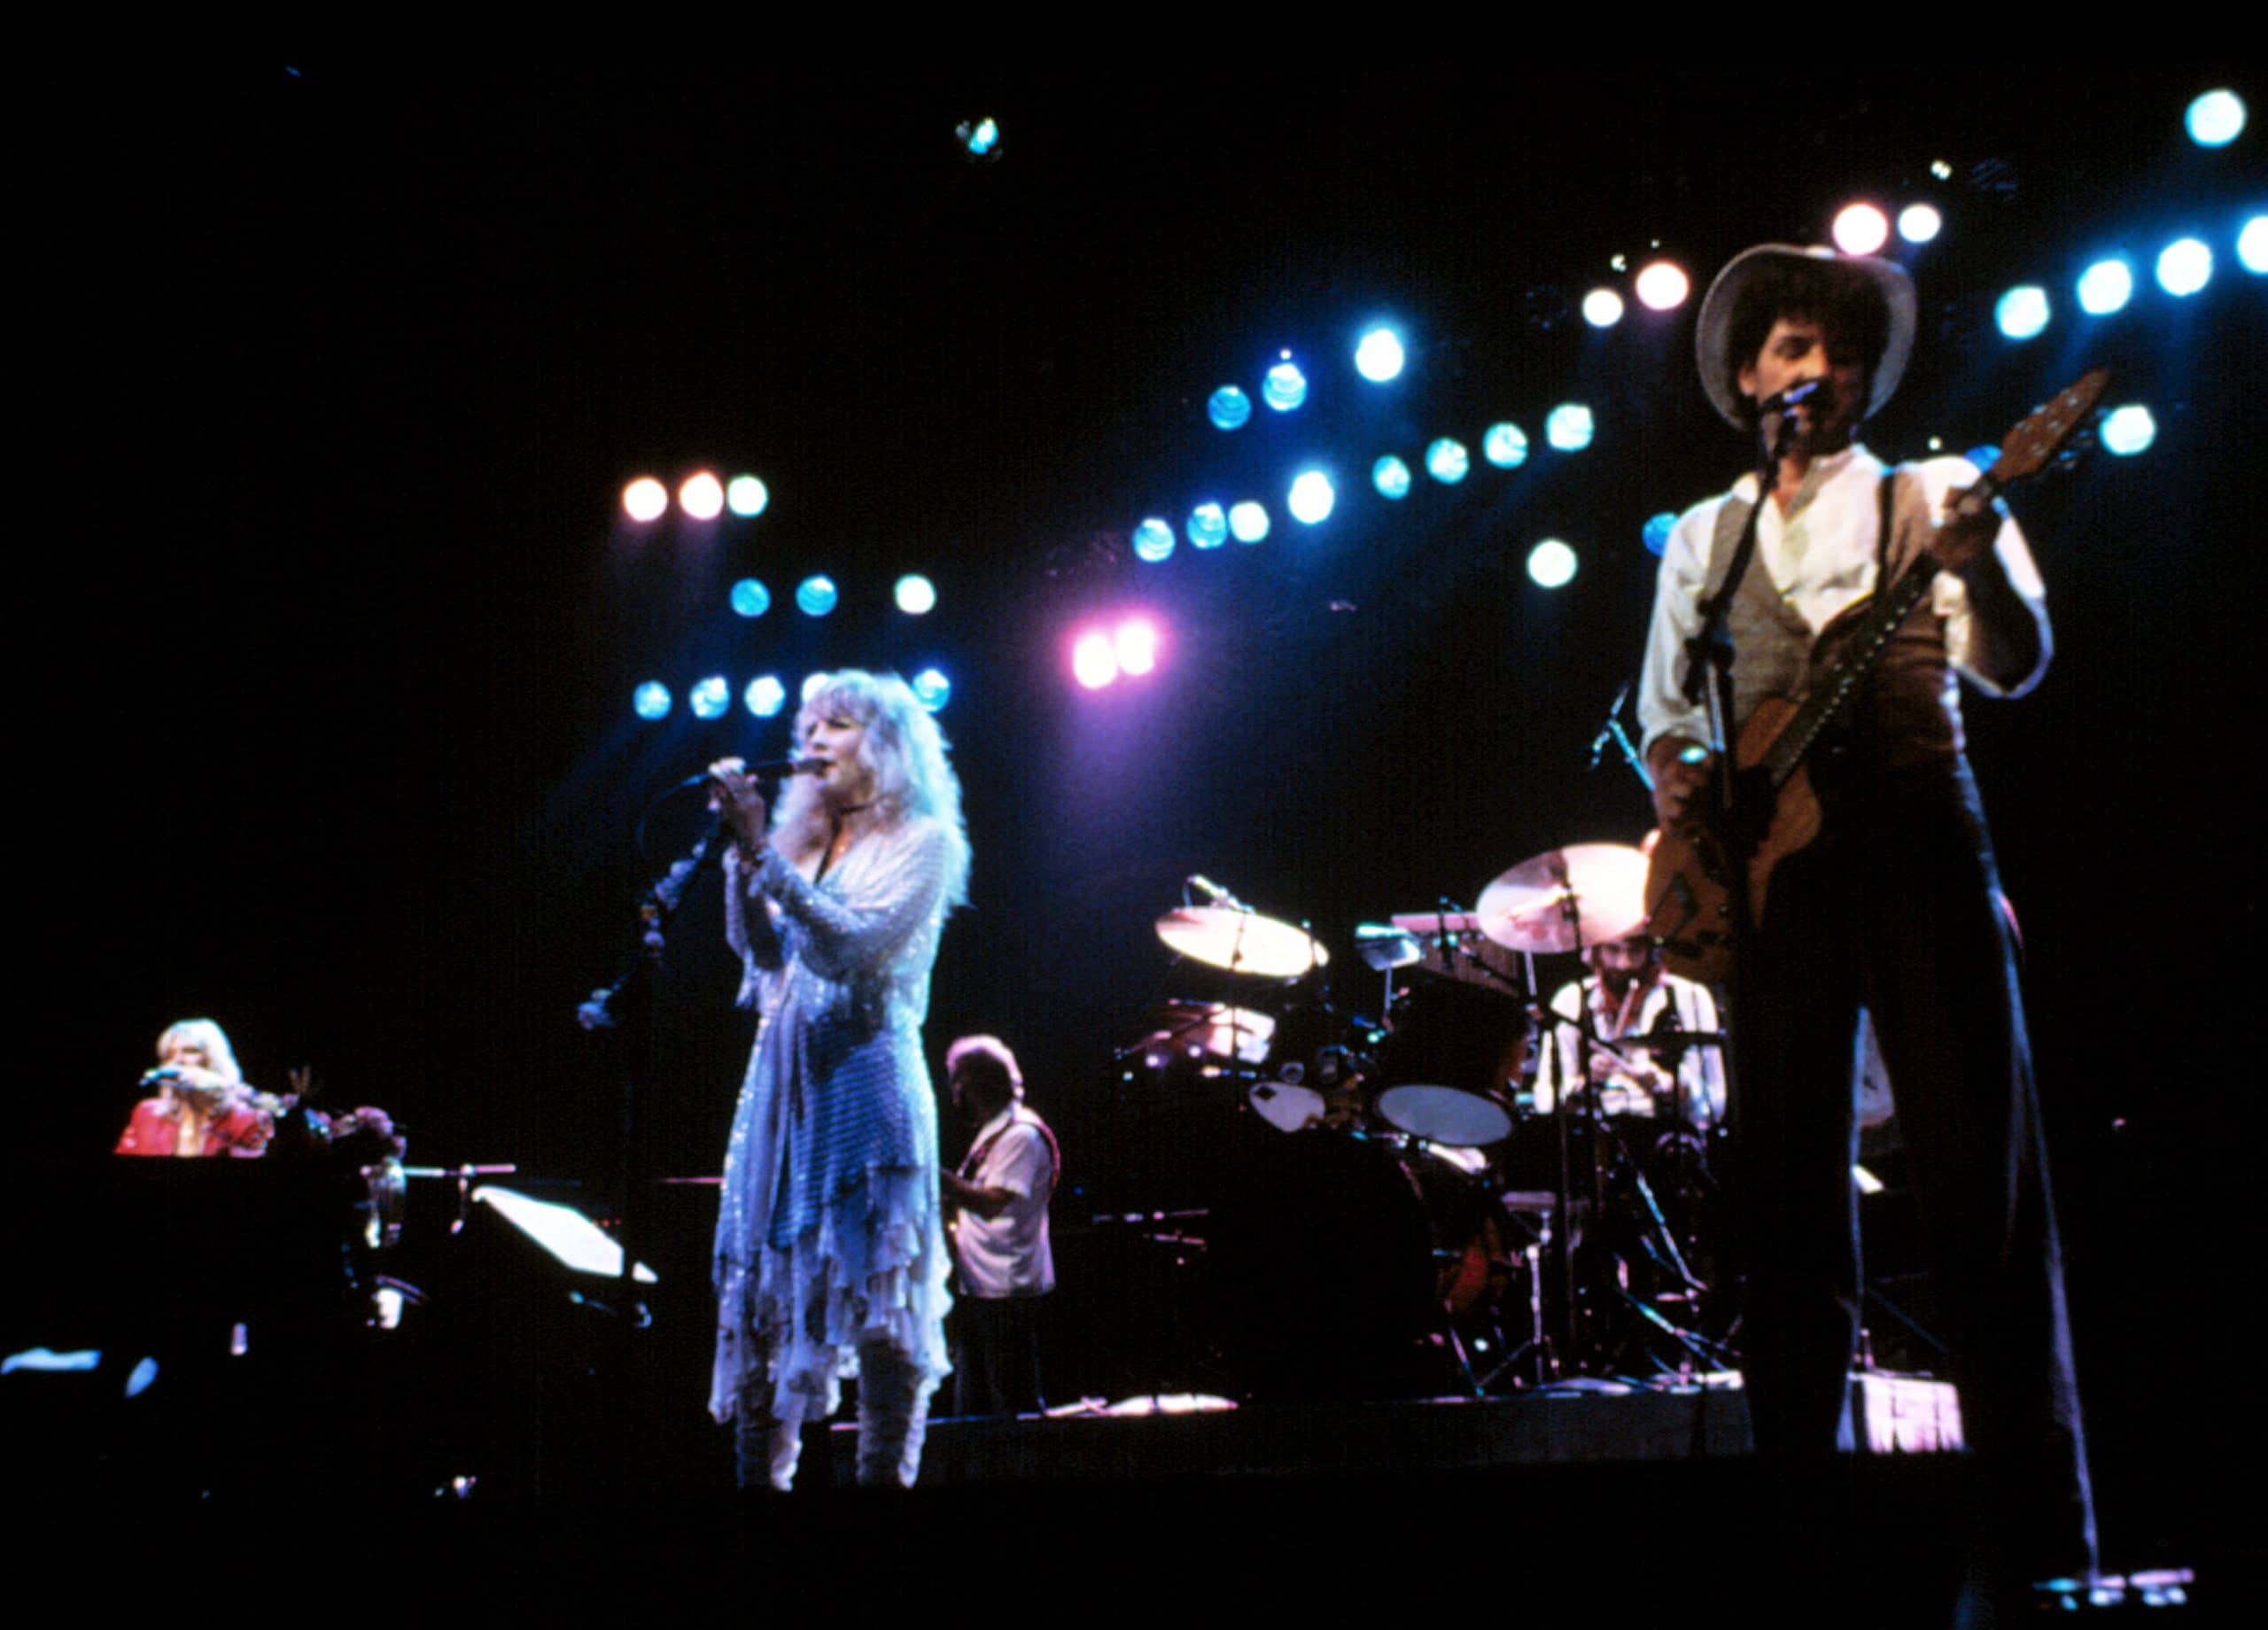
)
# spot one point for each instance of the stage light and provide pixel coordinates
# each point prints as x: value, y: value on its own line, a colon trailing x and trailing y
x: 1391, y: 477
x: 1920, y: 223
x: 1249, y: 522
x: 1311, y: 497
x: 808, y: 688
x: 651, y: 700
x: 750, y: 598
x: 1135, y: 646
x: 1093, y: 663
x: 1663, y: 286
x: 916, y: 595
x: 2127, y: 430
x: 1602, y: 309
x: 1153, y: 541
x: 1860, y: 229
x: 645, y: 498
x: 1447, y: 460
x: 932, y: 689
x: 1229, y: 407
x: 746, y: 495
x: 1551, y: 564
x: 702, y: 496
x: 1569, y: 428
x: 815, y: 596
x: 2252, y: 245
x: 710, y: 698
x: 1505, y: 446
x: 2105, y: 287
x: 979, y: 138
x: 2023, y: 311
x: 2216, y: 118
x: 1377, y: 355
x: 1655, y: 534
x: 2185, y: 267
x: 1984, y: 456
x: 764, y: 697
x: 1208, y: 526
x: 1286, y: 387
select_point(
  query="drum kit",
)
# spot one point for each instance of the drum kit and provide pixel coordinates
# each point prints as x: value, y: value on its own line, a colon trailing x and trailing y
x: 1408, y: 1194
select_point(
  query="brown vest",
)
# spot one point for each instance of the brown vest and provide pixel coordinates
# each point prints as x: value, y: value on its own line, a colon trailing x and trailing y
x: 1907, y: 714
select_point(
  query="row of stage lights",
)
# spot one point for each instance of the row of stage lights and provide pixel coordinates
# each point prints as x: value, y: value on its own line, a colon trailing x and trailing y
x: 816, y: 595
x: 2182, y: 268
x: 701, y: 496
x: 765, y: 695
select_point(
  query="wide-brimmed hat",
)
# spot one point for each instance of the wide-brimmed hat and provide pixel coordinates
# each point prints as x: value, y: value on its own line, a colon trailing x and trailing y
x: 1712, y: 337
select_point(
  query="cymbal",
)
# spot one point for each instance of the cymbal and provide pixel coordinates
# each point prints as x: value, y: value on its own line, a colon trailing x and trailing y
x: 1586, y: 893
x: 1212, y: 1029
x: 1241, y: 942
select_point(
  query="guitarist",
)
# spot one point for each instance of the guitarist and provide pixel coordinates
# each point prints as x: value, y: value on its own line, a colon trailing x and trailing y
x: 1890, y: 905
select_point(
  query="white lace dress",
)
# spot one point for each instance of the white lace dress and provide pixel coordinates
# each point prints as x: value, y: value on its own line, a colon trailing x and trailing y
x: 830, y: 1233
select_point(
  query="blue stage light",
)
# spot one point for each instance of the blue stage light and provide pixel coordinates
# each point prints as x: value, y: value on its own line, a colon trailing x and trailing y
x: 1505, y: 446
x: 1153, y: 541
x: 1551, y: 564
x: 980, y: 138
x: 1655, y: 534
x: 710, y: 698
x: 932, y: 689
x: 1602, y: 309
x: 2252, y: 245
x: 1249, y: 522
x: 1378, y: 355
x: 2185, y: 267
x: 2105, y: 287
x: 815, y: 596
x: 1919, y: 223
x: 1447, y: 460
x: 750, y: 598
x: 2023, y: 311
x: 1286, y: 387
x: 1229, y: 407
x: 2127, y: 430
x: 1391, y: 477
x: 1570, y: 427
x: 1312, y: 497
x: 745, y: 495
x: 916, y: 595
x: 2215, y: 119
x: 1984, y: 457
x: 764, y: 697
x: 1208, y: 526
x: 651, y: 700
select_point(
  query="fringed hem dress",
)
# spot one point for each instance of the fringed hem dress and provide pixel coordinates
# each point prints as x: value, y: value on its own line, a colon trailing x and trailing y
x: 829, y: 1234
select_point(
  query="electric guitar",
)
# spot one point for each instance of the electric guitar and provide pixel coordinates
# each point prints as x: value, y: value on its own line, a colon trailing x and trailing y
x: 1774, y: 811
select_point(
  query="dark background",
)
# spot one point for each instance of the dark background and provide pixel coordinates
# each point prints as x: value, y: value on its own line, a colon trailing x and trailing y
x: 333, y: 621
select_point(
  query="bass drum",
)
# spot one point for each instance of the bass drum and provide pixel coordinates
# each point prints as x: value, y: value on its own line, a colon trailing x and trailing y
x: 1321, y: 1279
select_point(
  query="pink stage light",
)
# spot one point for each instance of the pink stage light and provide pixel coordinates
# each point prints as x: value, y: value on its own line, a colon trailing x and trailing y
x: 702, y: 496
x: 1860, y: 229
x: 1663, y: 286
x: 1093, y: 662
x: 1136, y: 646
x: 645, y: 498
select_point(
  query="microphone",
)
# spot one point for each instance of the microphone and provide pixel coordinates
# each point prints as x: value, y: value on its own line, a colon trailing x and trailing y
x: 767, y: 766
x: 164, y: 1072
x: 1606, y: 731
x: 1794, y: 396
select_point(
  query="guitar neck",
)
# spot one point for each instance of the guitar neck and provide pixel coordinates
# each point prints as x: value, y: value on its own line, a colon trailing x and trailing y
x: 1862, y: 651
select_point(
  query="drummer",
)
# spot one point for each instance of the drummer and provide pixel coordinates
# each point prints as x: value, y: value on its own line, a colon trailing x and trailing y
x: 1632, y: 1002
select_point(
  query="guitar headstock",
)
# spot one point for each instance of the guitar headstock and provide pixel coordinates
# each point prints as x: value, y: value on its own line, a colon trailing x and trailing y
x: 2033, y: 445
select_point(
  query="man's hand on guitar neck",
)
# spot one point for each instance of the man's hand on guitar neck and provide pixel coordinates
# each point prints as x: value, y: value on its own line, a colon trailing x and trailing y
x: 1681, y: 769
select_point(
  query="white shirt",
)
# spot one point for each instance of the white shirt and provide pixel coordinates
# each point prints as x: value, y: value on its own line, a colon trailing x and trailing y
x: 1700, y: 1071
x: 1009, y: 1255
x: 1821, y: 557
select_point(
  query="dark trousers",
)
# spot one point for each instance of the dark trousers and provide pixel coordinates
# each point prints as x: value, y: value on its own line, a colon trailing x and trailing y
x: 996, y: 1355
x: 1895, y: 906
